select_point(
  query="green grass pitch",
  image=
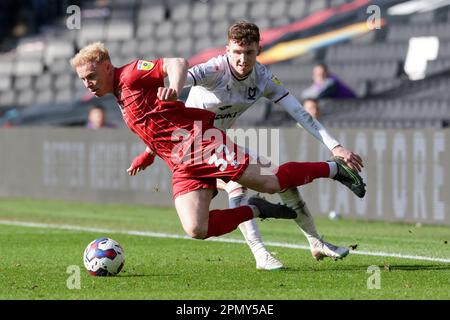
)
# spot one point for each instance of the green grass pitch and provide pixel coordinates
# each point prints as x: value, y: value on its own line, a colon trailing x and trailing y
x: 35, y: 260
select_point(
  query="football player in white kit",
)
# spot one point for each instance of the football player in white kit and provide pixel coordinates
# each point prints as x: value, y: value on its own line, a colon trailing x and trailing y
x: 230, y: 84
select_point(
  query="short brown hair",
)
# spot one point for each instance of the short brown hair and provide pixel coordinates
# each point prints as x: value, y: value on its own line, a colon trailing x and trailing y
x: 244, y: 33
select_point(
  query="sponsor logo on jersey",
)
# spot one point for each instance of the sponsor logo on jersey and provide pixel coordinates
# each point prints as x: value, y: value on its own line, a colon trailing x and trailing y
x: 226, y: 116
x: 145, y: 65
x: 277, y: 81
x: 202, y: 73
x: 224, y: 108
x: 251, y: 93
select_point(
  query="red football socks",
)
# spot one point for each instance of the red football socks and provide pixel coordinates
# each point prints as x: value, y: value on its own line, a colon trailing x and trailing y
x: 224, y: 221
x: 294, y: 174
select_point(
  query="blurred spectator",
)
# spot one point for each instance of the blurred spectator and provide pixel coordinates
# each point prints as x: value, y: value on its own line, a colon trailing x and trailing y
x: 326, y: 85
x: 97, y: 118
x: 312, y: 107
x: 19, y: 18
x: 8, y: 15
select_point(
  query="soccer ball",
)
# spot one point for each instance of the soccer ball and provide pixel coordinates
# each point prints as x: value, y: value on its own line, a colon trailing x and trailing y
x: 104, y: 257
x: 333, y: 215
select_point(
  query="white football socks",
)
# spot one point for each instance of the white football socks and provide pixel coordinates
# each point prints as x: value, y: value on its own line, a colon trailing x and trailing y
x: 249, y: 228
x: 333, y: 169
x: 292, y: 198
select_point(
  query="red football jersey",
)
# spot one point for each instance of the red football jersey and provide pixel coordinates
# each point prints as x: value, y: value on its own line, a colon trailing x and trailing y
x: 185, y: 138
x: 135, y: 88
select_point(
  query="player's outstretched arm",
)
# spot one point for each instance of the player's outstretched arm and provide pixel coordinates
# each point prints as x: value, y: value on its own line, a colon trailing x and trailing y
x: 141, y: 162
x: 176, y: 70
x: 316, y: 129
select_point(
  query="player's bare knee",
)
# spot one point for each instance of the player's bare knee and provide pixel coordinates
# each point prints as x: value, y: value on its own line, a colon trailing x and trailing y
x: 271, y: 190
x: 196, y: 232
x: 271, y: 186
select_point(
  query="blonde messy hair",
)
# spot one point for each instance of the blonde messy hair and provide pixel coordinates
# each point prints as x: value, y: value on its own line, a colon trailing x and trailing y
x: 92, y: 53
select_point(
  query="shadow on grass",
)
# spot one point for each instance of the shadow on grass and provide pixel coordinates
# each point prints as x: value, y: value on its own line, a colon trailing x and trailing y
x: 387, y: 267
x: 131, y: 275
x: 414, y: 267
x: 327, y: 268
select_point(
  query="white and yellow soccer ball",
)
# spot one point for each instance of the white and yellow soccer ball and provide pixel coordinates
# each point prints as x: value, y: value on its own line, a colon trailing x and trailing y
x: 104, y: 257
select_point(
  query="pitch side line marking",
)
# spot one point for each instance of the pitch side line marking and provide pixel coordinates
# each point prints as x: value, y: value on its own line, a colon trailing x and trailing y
x: 176, y: 236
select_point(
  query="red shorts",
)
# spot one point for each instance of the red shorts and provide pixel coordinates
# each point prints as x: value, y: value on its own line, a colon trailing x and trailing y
x: 195, y: 151
x: 221, y: 160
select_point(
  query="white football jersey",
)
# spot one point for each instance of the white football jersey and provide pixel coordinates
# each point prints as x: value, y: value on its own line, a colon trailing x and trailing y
x: 216, y: 89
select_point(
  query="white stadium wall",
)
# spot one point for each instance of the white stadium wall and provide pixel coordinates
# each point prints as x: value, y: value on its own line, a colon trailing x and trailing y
x: 407, y: 171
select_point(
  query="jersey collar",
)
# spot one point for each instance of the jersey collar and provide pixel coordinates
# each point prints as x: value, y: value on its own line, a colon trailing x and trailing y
x: 236, y: 77
x: 116, y: 82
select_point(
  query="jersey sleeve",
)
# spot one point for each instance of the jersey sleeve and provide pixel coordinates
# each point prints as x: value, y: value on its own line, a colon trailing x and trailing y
x: 304, y: 119
x: 206, y: 74
x: 275, y: 89
x: 145, y: 73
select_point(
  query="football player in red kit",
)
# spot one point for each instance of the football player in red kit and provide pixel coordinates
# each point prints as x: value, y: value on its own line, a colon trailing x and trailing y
x: 196, y: 152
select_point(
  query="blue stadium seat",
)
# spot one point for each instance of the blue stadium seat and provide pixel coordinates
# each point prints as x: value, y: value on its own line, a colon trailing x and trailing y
x: 423, y: 17
x: 129, y: 48
x: 28, y: 67
x: 202, y: 29
x: 279, y: 22
x: 5, y: 83
x: 371, y: 65
x: 180, y: 11
x: 166, y: 48
x: 122, y: 12
x: 336, y: 3
x: 200, y: 11
x: 44, y: 96
x: 238, y: 10
x: 63, y: 81
x: 297, y: 9
x: 203, y: 43
x: 151, y: 12
x: 259, y: 9
x: 8, y: 98
x: 164, y: 30
x: 219, y: 29
x: 184, y: 47
x: 114, y: 47
x: 218, y: 11
x: 263, y: 23
x: 147, y: 48
x: 44, y: 81
x: 65, y: 95
x: 277, y: 9
x: 60, y: 66
x: 317, y: 5
x: 93, y: 30
x: 6, y: 65
x: 58, y: 49
x: 182, y: 29
x: 25, y: 97
x: 119, y: 30
x: 24, y: 83
x: 146, y: 30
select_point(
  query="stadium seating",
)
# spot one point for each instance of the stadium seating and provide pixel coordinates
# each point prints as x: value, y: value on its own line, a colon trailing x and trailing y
x: 36, y: 71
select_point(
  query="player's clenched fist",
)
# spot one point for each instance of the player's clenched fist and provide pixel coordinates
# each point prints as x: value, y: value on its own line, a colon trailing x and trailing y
x: 167, y: 94
x: 141, y: 162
